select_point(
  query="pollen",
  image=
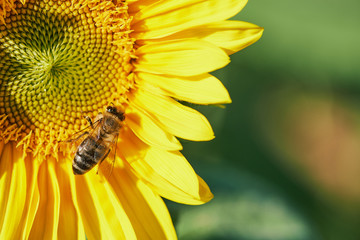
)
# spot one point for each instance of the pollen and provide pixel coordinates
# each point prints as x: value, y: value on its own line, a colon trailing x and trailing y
x: 60, y: 61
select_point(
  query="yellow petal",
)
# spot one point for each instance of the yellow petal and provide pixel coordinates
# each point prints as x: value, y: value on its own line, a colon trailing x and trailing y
x: 5, y: 180
x: 170, y: 175
x: 70, y: 223
x: 231, y: 36
x: 180, y: 57
x: 147, y: 130
x: 32, y: 197
x: 2, y: 145
x: 13, y: 192
x: 131, y: 147
x: 146, y: 210
x: 23, y: 174
x: 46, y: 221
x: 134, y: 6
x: 201, y: 89
x: 102, y: 214
x: 167, y: 17
x: 174, y: 117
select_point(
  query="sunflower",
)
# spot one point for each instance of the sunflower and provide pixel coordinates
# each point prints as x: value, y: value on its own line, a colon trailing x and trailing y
x: 61, y: 60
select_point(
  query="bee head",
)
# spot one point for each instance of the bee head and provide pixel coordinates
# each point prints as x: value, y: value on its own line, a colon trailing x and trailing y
x: 113, y: 110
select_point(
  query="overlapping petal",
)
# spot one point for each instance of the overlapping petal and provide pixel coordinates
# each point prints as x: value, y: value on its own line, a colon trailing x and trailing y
x: 13, y: 191
x: 102, y: 214
x: 174, y: 117
x: 167, y: 17
x: 134, y: 6
x: 32, y: 197
x: 200, y: 89
x: 142, y: 124
x: 70, y: 222
x: 130, y: 147
x: 171, y: 176
x: 46, y: 222
x: 180, y: 57
x: 146, y: 210
x: 231, y: 36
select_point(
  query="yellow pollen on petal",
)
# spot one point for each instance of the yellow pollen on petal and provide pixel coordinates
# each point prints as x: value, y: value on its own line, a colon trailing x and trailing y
x: 60, y: 61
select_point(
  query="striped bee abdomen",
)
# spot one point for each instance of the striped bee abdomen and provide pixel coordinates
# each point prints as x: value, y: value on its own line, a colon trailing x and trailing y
x: 88, y: 154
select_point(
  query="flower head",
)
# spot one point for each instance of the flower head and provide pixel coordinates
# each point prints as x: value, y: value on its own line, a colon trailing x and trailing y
x: 63, y: 60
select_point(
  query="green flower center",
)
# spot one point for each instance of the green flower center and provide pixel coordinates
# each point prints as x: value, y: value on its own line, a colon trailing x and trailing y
x: 57, y: 66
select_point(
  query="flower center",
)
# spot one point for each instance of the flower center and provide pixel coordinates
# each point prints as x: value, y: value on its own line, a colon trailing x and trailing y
x: 60, y: 61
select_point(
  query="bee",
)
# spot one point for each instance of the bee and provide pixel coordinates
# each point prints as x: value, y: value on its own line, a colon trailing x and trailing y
x: 97, y: 145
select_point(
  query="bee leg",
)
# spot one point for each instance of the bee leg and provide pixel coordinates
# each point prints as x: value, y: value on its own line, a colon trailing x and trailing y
x: 80, y: 136
x: 117, y: 137
x: 102, y: 160
x: 89, y: 120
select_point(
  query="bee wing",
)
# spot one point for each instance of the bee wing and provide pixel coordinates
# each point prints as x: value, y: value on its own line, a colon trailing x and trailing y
x: 77, y: 138
x: 106, y: 164
x: 83, y: 132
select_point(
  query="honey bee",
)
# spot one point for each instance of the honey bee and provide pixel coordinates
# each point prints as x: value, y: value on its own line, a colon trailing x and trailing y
x: 97, y: 145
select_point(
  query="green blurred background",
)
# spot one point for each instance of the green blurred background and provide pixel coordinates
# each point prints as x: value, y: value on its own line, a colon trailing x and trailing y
x: 285, y: 163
